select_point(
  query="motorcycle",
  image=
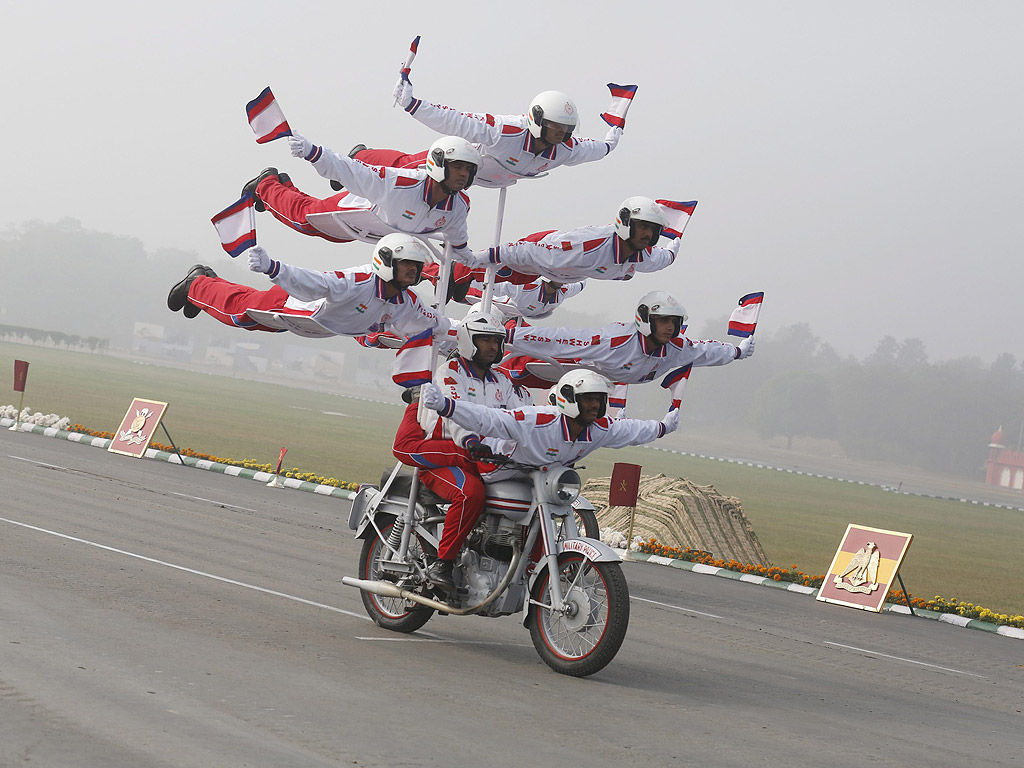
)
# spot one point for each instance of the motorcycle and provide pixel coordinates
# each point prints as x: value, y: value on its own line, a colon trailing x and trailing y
x: 526, y: 555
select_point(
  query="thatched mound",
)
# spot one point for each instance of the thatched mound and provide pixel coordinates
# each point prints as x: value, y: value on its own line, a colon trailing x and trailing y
x: 680, y: 514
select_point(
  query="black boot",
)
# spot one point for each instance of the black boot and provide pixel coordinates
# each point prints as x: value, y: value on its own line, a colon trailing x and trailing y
x: 250, y: 187
x: 178, y: 297
x: 439, y: 573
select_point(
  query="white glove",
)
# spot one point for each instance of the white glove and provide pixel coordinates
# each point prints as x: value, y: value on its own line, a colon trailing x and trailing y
x: 300, y: 145
x: 432, y: 397
x: 259, y: 261
x: 745, y: 348
x: 671, y: 421
x: 403, y: 93
x: 612, y: 139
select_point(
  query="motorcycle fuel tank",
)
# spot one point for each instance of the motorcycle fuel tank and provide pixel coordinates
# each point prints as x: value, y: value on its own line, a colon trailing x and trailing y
x: 511, y: 498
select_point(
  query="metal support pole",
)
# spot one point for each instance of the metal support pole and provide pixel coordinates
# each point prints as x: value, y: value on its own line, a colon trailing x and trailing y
x: 164, y: 428
x: 485, y: 301
x: 906, y: 595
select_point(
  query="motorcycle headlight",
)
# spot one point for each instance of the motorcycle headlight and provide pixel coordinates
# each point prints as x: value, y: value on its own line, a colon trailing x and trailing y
x: 562, y: 487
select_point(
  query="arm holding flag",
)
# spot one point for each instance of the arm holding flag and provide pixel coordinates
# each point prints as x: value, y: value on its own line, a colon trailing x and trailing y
x: 401, y: 96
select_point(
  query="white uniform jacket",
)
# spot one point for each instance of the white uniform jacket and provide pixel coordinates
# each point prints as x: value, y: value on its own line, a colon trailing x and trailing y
x: 396, y: 197
x: 617, y: 351
x: 573, y: 255
x: 352, y: 303
x: 506, y: 143
x: 529, y: 300
x: 542, y: 436
x: 459, y: 382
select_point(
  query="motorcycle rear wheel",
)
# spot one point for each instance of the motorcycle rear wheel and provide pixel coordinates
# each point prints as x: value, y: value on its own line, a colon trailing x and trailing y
x: 392, y: 613
x: 585, y: 638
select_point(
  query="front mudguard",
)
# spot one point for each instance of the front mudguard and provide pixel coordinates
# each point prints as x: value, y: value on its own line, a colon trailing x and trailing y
x: 592, y: 549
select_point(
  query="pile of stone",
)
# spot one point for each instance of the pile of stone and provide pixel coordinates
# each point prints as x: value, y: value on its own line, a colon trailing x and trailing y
x: 680, y: 514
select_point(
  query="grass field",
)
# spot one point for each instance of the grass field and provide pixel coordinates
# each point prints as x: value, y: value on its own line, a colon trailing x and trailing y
x: 959, y: 550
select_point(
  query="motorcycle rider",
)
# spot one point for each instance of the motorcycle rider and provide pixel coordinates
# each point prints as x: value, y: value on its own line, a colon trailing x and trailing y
x: 377, y: 200
x: 447, y: 453
x: 604, y: 252
x: 654, y: 345
x: 543, y: 436
x: 513, y: 147
x: 360, y: 300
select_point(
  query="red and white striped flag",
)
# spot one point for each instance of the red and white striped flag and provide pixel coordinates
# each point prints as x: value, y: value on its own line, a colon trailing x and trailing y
x: 678, y: 215
x: 411, y: 367
x: 743, y: 319
x: 236, y: 226
x: 617, y: 401
x: 266, y: 118
x: 675, y: 382
x: 404, y: 72
x: 622, y: 97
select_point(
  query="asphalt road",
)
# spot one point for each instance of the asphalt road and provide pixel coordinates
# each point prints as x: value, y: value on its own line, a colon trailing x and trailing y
x: 158, y: 615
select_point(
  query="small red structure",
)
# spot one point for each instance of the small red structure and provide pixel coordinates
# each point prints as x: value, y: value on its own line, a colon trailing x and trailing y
x: 1004, y: 467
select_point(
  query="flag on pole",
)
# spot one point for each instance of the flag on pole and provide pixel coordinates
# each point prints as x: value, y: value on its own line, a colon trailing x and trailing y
x: 675, y: 382
x: 20, y: 375
x: 412, y: 55
x: 236, y: 226
x: 625, y: 485
x: 678, y: 215
x: 617, y: 401
x: 622, y: 97
x: 743, y: 319
x: 266, y: 118
x: 411, y: 367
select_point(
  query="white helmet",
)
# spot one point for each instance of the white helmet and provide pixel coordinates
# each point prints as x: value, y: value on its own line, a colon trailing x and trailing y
x: 639, y: 209
x: 580, y: 382
x: 553, y: 395
x: 445, y: 150
x: 397, y: 247
x: 479, y: 323
x: 659, y: 304
x: 555, y: 107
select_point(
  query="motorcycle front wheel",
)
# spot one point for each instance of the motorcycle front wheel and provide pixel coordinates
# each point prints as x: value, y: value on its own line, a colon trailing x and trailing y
x: 586, y: 635
x: 394, y: 613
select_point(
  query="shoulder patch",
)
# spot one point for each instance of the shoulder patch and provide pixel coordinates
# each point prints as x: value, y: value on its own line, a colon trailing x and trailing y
x: 681, y: 341
x: 591, y: 245
x: 545, y: 418
x: 618, y: 341
x: 449, y: 380
x: 604, y: 422
x: 405, y: 181
x: 453, y: 365
x: 508, y: 130
x: 359, y: 277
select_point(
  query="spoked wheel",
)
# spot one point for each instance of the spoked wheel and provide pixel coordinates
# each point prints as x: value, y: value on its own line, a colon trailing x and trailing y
x: 581, y: 639
x: 393, y: 613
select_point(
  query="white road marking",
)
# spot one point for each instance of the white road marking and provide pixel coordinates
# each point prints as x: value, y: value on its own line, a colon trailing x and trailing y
x: 39, y: 463
x: 442, y: 640
x: 900, y: 658
x: 193, y: 571
x: 676, y: 607
x: 212, y: 501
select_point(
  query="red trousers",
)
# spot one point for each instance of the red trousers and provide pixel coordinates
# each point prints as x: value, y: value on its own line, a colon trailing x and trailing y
x: 448, y: 471
x: 391, y: 158
x: 228, y: 302
x: 290, y: 206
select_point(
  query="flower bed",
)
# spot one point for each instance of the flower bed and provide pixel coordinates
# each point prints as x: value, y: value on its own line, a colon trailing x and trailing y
x: 792, y: 574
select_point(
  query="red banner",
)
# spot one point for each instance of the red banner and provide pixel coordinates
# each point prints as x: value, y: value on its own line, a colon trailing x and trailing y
x: 280, y: 458
x: 20, y: 375
x: 625, y: 485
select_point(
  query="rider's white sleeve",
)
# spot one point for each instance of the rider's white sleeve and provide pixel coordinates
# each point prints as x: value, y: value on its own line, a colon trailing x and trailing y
x: 474, y: 127
x: 369, y: 181
x: 490, y: 422
x: 623, y: 432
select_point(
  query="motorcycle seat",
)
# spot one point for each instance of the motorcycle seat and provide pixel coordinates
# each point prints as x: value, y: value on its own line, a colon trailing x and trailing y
x: 403, y: 483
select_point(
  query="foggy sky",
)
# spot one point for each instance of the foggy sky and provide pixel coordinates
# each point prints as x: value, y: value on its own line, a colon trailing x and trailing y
x: 860, y: 163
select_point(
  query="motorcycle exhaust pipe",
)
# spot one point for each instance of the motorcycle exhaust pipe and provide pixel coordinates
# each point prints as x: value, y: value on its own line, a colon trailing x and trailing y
x: 387, y: 589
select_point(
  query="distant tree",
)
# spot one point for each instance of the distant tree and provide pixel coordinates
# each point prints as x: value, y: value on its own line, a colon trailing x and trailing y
x: 795, y: 403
